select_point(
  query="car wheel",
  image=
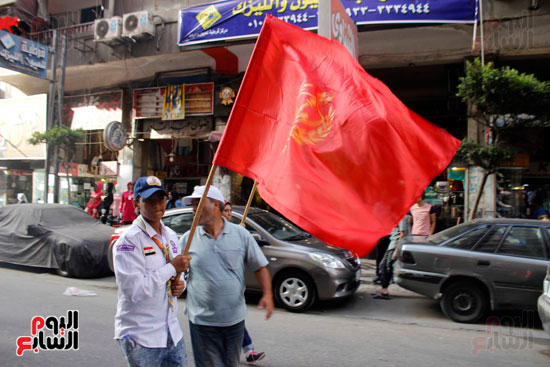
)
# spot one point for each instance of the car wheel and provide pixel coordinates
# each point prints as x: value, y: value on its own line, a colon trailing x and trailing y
x: 464, y: 302
x: 295, y: 291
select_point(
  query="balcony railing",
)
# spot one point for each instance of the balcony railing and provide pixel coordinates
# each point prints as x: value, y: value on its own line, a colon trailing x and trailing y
x: 73, y: 32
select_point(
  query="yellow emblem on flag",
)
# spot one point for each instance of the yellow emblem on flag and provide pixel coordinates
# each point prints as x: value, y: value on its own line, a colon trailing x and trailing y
x: 208, y: 17
x: 314, y: 116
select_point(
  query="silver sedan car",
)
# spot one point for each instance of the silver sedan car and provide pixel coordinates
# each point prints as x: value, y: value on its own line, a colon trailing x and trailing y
x: 303, y: 269
x: 480, y: 265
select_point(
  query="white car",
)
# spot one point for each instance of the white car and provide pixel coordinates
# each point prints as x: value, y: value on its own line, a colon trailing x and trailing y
x: 543, y: 303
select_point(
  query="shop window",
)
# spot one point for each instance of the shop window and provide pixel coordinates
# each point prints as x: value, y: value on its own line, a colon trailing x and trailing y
x: 525, y: 242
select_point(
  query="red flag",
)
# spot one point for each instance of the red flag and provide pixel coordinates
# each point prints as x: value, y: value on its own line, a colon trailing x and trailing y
x: 331, y: 147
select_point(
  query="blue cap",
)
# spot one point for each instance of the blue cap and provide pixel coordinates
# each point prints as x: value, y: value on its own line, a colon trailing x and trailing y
x: 147, y: 186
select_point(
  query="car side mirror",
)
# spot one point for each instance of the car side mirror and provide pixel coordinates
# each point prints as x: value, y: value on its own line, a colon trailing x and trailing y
x: 259, y: 239
x: 36, y: 230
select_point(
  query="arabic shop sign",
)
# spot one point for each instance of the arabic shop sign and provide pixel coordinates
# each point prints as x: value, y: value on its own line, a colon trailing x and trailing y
x: 235, y: 19
x: 22, y: 55
x: 335, y: 24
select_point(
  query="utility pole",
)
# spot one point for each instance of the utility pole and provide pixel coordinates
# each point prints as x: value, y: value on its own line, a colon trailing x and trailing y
x: 55, y: 107
x: 50, y: 111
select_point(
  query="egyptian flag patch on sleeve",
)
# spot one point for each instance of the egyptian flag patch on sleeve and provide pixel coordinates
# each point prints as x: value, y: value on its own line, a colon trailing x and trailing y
x: 149, y: 251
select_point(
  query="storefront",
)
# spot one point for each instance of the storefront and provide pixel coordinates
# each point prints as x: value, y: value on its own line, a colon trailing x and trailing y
x: 19, y: 159
x: 97, y: 160
x: 177, y: 146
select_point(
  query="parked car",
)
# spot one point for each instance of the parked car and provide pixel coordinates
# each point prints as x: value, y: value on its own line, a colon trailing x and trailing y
x: 303, y: 269
x: 56, y: 236
x: 476, y: 266
x: 543, y: 303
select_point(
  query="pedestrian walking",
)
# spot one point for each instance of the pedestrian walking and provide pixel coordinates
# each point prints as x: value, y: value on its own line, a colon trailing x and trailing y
x: 422, y: 218
x: 95, y: 200
x: 248, y: 348
x: 126, y: 206
x: 117, y: 202
x: 215, y: 298
x: 173, y: 200
x: 105, y: 206
x: 386, y: 265
x: 146, y: 260
x: 379, y: 252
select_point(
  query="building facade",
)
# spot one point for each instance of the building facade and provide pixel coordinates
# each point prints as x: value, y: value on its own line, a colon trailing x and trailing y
x: 122, y: 57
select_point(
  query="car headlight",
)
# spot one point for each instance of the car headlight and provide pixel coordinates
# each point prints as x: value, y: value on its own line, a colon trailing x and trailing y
x: 327, y: 260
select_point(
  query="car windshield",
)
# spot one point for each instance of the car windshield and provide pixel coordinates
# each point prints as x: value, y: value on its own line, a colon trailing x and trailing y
x: 279, y: 227
x: 449, y: 233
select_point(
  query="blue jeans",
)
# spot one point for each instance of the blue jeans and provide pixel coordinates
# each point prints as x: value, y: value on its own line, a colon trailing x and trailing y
x: 247, y: 342
x: 215, y: 346
x: 140, y: 356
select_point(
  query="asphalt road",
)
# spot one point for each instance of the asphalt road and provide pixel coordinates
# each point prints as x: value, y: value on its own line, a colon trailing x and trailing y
x: 408, y: 330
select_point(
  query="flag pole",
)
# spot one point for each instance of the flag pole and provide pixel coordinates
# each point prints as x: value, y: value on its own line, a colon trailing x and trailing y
x: 252, y: 192
x: 474, y: 36
x: 198, y: 212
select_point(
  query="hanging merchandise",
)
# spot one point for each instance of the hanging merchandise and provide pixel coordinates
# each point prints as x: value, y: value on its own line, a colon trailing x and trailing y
x: 457, y: 185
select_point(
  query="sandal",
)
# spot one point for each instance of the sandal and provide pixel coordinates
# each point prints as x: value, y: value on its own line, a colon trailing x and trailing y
x: 381, y: 296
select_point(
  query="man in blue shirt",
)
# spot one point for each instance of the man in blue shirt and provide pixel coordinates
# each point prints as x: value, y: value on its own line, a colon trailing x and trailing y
x: 215, y: 288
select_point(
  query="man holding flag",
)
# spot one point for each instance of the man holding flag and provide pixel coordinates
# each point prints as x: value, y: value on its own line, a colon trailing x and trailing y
x: 215, y: 300
x: 331, y: 148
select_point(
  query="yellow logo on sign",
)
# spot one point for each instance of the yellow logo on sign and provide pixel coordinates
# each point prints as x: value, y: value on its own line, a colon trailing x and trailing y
x: 208, y: 17
x: 314, y: 116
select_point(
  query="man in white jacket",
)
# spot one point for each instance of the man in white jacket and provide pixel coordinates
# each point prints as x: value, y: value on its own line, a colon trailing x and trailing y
x: 146, y: 261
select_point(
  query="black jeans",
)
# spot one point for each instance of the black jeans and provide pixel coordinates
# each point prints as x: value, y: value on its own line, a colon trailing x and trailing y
x: 217, y: 346
x: 381, y: 248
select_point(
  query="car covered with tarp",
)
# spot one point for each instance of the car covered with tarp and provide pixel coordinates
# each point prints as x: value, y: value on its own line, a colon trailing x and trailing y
x: 56, y: 236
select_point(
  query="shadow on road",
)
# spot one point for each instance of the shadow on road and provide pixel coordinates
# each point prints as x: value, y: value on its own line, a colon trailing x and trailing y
x: 30, y: 269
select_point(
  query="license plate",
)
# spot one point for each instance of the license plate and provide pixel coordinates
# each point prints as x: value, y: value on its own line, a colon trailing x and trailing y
x: 358, y: 274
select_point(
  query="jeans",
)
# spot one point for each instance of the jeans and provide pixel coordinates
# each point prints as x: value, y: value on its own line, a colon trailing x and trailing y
x: 247, y: 342
x: 216, y: 346
x: 380, y: 249
x: 386, y: 269
x: 140, y: 356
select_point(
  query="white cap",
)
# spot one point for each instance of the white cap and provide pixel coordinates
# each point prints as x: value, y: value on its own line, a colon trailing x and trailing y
x: 213, y: 193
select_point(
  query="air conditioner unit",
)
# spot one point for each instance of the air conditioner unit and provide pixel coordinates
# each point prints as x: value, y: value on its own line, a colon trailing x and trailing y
x: 107, y: 29
x: 138, y: 24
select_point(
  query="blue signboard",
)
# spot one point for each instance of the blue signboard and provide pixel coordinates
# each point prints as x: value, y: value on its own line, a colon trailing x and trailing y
x: 234, y: 19
x: 23, y: 55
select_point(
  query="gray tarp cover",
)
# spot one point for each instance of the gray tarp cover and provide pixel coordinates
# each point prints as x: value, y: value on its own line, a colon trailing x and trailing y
x: 54, y: 236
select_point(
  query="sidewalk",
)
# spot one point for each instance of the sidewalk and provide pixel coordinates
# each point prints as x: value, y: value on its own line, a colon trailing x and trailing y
x: 368, y: 272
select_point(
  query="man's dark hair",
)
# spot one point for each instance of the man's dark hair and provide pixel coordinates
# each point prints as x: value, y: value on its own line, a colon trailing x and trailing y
x: 221, y: 204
